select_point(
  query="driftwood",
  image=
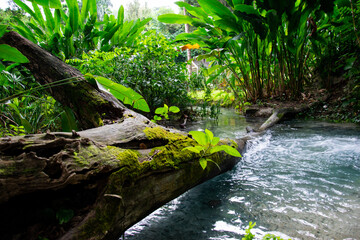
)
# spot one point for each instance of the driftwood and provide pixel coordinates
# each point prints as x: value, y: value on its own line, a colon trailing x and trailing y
x: 106, y: 179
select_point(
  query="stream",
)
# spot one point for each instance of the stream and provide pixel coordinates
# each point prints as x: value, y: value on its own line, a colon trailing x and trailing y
x: 300, y: 180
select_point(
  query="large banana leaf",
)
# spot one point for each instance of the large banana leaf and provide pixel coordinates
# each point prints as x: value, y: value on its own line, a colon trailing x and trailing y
x: 8, y: 53
x: 124, y: 94
x: 73, y: 15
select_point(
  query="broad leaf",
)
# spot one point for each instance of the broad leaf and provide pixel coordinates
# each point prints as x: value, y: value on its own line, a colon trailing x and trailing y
x: 174, y: 109
x: 124, y: 94
x: 203, y: 162
x: 120, y: 18
x: 38, y: 14
x: 55, y: 4
x: 231, y: 151
x: 215, y: 141
x: 175, y: 19
x: 27, y: 125
x: 73, y: 15
x: 216, y: 149
x: 68, y: 120
x: 199, y: 137
x: 12, y: 54
x: 215, y: 7
x: 84, y: 10
x: 160, y: 110
x: 157, y: 118
x: 249, y: 9
x: 209, y: 134
x: 196, y: 149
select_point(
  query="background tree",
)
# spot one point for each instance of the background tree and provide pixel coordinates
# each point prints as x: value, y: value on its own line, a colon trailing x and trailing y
x: 103, y: 7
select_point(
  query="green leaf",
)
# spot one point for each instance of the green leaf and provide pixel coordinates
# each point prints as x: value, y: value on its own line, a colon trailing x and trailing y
x: 203, y: 163
x: 64, y: 215
x: 216, y: 149
x: 160, y: 110
x: 2, y: 68
x: 55, y: 4
x: 12, y: 54
x: 84, y: 11
x: 157, y: 118
x: 110, y: 34
x: 37, y: 30
x: 3, y: 29
x: 196, y: 149
x: 209, y: 160
x: 8, y: 68
x: 73, y: 15
x: 38, y: 14
x: 50, y: 21
x: 25, y: 7
x: 27, y: 125
x: 195, y: 11
x: 175, y: 19
x: 199, y: 137
x: 209, y: 134
x: 120, y: 18
x: 215, y: 141
x: 124, y: 94
x: 231, y: 151
x: 217, y: 8
x: 68, y: 121
x: 174, y: 109
x: 249, y: 9
x: 269, y: 49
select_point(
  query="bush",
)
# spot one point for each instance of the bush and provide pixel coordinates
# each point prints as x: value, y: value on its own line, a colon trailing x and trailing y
x: 150, y: 69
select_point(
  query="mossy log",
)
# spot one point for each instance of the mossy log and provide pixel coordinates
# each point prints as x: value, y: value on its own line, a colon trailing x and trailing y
x: 97, y: 182
x: 90, y: 105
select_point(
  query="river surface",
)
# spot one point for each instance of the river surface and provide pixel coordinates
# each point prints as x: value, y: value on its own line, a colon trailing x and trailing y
x: 300, y: 180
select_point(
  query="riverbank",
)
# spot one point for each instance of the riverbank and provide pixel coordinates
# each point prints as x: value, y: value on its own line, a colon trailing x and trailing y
x: 319, y: 104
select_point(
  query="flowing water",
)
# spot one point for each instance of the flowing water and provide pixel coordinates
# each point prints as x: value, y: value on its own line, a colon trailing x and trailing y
x: 299, y: 180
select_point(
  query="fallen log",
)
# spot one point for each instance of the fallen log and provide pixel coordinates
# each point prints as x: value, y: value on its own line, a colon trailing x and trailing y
x: 95, y: 184
x: 90, y: 105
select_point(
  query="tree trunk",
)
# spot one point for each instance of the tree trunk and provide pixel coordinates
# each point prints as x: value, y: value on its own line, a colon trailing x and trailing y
x: 90, y: 105
x: 188, y: 51
x: 87, y: 186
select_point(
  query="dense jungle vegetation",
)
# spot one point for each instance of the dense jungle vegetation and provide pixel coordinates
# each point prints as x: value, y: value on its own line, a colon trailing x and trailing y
x: 252, y: 51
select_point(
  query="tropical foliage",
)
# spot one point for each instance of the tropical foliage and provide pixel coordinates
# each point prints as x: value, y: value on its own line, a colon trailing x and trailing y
x: 256, y: 49
x: 266, y: 48
x: 68, y: 31
x: 149, y: 68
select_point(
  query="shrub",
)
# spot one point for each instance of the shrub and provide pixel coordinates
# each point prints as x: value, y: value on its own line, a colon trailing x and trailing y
x: 149, y: 68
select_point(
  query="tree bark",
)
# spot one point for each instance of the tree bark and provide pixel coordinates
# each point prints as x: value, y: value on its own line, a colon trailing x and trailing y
x: 90, y: 105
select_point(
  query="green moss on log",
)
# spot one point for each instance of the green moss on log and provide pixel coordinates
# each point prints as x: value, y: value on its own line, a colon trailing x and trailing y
x: 170, y: 157
x: 159, y: 133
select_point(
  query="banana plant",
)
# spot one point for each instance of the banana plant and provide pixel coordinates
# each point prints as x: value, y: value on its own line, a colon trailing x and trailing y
x: 67, y: 31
